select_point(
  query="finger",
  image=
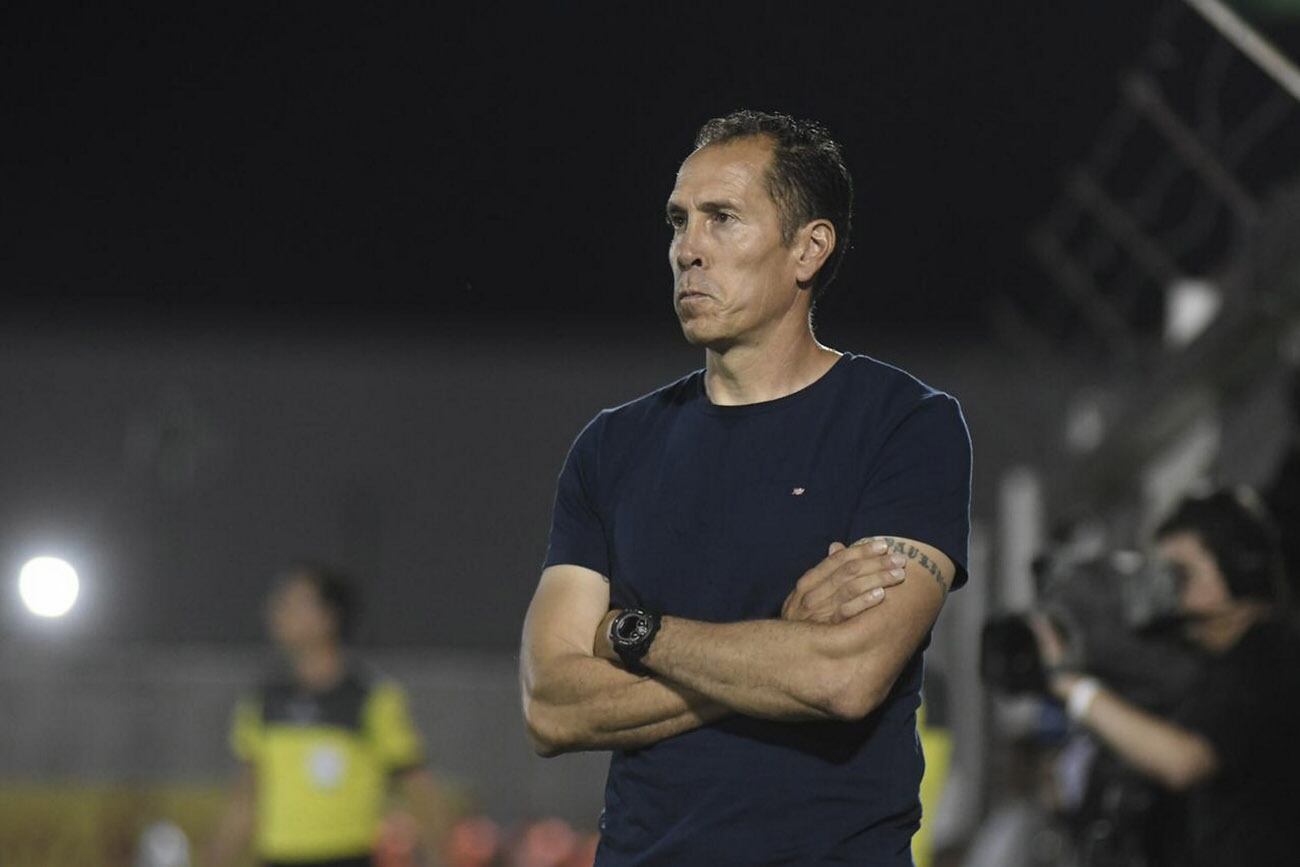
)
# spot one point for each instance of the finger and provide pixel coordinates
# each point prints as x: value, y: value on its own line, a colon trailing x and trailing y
x: 813, y: 593
x: 819, y: 573
x: 835, y: 546
x: 826, y: 589
x: 815, y: 575
x: 866, y: 583
x: 861, y: 603
x: 855, y: 551
x: 891, y: 565
x: 788, y: 608
x: 852, y: 580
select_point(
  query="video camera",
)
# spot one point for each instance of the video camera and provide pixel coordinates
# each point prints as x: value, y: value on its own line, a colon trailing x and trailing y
x: 1118, y: 617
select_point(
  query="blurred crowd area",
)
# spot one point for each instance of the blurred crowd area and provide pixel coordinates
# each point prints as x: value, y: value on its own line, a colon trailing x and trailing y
x: 59, y: 826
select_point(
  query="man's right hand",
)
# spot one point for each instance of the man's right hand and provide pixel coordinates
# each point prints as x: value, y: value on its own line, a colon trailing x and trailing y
x: 849, y: 581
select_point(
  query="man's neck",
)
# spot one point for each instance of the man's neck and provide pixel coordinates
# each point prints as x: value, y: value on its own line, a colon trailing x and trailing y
x: 318, y: 668
x: 765, y: 370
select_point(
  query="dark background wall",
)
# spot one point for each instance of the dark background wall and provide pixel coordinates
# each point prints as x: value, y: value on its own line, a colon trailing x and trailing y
x: 509, y: 162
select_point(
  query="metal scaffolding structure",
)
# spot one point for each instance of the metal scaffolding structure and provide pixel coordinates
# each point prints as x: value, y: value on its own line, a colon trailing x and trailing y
x: 1195, y: 177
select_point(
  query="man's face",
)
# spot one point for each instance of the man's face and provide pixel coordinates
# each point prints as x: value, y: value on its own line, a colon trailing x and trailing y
x: 1202, y: 589
x: 732, y: 274
x: 296, y: 617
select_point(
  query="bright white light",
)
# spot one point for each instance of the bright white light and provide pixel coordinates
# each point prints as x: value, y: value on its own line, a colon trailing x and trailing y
x: 48, y: 586
x: 1190, y: 307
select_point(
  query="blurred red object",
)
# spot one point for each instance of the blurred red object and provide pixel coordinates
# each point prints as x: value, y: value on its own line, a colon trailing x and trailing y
x: 545, y: 843
x: 584, y: 852
x: 399, y: 836
x: 473, y: 842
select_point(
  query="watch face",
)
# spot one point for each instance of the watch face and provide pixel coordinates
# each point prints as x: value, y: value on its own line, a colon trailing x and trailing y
x: 629, y: 627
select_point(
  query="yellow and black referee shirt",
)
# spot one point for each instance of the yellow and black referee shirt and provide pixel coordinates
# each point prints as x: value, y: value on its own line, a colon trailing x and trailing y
x: 322, y: 763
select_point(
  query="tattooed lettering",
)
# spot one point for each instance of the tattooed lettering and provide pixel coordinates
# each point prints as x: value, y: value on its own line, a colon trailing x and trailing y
x: 911, y: 552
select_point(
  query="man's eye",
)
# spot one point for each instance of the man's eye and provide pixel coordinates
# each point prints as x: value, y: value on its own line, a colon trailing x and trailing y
x: 675, y: 221
x: 723, y: 217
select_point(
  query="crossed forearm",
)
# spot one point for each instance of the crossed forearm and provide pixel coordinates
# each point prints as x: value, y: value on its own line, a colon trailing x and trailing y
x: 795, y: 669
x: 773, y: 669
x: 591, y: 704
x: 832, y: 656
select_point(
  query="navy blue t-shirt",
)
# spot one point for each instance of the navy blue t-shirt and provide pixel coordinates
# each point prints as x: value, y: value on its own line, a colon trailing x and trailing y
x: 712, y: 513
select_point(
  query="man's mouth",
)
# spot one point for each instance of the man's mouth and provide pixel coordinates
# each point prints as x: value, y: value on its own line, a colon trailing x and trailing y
x: 687, y: 292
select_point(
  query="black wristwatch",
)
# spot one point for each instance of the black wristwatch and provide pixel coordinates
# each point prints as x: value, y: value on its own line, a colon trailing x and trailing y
x: 630, y: 634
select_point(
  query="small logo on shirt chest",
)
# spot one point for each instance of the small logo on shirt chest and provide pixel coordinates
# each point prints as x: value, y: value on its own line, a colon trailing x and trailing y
x: 797, y: 492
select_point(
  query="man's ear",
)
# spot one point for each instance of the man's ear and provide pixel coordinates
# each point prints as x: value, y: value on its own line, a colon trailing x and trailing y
x: 813, y: 246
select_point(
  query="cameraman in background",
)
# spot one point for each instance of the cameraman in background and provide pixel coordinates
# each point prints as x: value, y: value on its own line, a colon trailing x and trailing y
x: 1231, y: 744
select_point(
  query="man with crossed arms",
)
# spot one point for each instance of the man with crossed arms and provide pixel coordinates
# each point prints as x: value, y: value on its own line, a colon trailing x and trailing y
x: 698, y: 613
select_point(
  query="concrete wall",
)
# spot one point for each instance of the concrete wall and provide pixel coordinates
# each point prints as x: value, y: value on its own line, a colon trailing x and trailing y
x: 177, y: 471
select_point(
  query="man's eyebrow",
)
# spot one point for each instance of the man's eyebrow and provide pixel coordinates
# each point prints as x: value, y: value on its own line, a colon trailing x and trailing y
x: 719, y: 205
x: 707, y: 207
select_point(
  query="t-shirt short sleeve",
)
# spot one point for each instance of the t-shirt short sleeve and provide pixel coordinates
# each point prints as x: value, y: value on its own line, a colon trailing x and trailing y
x: 246, y: 730
x: 918, y: 486
x: 392, y: 731
x: 577, y: 533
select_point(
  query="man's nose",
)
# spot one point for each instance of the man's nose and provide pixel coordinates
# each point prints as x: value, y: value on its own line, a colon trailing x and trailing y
x: 688, y: 251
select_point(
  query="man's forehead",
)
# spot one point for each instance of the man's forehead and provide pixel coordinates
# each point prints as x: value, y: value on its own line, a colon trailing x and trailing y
x: 729, y: 170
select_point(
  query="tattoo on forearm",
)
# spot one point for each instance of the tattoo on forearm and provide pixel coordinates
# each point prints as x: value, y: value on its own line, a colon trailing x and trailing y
x: 911, y: 552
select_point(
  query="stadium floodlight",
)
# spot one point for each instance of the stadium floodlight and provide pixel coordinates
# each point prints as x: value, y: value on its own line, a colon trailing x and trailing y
x: 48, y: 586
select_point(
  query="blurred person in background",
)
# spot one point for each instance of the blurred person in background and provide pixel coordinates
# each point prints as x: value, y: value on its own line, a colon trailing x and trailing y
x: 698, y: 613
x: 1230, y: 746
x: 320, y: 743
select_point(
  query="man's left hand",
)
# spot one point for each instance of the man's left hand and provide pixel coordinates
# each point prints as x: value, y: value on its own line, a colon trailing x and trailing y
x: 849, y: 581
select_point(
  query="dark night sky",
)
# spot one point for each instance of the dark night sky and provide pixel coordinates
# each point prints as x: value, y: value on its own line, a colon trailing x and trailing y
x: 477, y: 163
